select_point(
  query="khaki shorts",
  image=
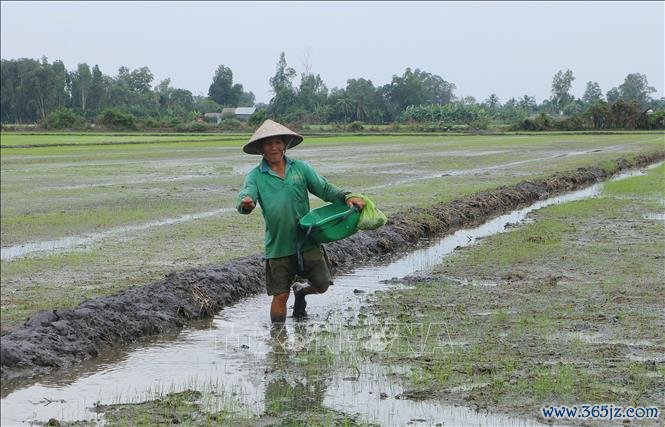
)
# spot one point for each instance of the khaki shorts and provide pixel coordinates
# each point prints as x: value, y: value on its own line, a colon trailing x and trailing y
x: 281, y: 272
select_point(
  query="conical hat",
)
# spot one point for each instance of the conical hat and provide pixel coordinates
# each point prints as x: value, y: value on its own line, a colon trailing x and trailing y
x: 266, y: 130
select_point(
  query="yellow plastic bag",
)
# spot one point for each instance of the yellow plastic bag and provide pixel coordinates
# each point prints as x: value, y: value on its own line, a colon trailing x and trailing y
x: 371, y: 217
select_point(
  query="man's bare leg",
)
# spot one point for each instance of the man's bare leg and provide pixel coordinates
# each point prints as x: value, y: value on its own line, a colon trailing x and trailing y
x: 278, y: 307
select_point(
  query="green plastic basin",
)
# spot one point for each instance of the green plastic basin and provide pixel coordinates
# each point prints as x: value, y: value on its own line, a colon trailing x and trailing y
x: 331, y: 222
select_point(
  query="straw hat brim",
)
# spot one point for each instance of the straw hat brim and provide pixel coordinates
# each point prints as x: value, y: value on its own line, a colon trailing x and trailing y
x: 270, y: 129
x: 254, y: 147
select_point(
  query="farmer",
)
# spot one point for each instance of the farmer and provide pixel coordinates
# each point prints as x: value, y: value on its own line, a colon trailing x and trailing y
x: 280, y: 185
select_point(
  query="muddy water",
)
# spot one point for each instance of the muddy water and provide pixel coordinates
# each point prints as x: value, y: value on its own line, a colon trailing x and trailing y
x: 235, y: 355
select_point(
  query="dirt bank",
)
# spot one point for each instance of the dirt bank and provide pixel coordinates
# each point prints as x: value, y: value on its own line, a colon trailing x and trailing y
x: 60, y: 338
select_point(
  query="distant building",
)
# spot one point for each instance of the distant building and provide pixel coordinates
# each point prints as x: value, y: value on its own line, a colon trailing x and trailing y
x: 240, y: 113
x: 213, y: 117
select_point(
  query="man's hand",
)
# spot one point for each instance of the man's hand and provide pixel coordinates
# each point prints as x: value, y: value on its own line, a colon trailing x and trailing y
x: 357, y: 201
x: 247, y: 204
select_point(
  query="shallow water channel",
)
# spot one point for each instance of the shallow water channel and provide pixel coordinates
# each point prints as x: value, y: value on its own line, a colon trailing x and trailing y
x: 234, y: 354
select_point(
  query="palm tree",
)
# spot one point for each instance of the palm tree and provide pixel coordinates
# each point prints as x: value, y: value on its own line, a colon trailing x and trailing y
x: 360, y: 109
x: 344, y: 106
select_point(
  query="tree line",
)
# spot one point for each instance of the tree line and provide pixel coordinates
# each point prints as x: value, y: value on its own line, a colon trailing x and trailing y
x: 47, y: 93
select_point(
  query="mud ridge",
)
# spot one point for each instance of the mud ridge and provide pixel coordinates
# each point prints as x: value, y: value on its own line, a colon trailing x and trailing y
x: 58, y: 339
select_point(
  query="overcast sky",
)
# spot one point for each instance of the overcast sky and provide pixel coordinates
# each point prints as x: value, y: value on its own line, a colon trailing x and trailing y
x: 507, y: 48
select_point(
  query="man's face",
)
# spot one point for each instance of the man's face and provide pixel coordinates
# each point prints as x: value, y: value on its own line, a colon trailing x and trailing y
x: 273, y: 149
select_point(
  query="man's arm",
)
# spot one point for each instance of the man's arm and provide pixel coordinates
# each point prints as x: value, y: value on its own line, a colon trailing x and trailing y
x: 321, y: 188
x: 246, y: 200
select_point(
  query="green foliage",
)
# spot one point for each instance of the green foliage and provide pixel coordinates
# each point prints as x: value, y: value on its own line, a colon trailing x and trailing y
x: 650, y: 184
x: 116, y: 119
x: 283, y: 78
x: 257, y: 117
x: 230, y: 124
x: 173, y: 101
x: 33, y: 89
x: 416, y: 88
x: 656, y: 120
x: 625, y: 115
x: 224, y: 92
x: 592, y: 93
x: 540, y: 123
x: 561, y: 84
x: 575, y: 122
x: 456, y: 113
x: 150, y: 123
x: 613, y: 95
x: 206, y: 105
x: 80, y: 83
x: 282, y: 86
x: 635, y: 88
x: 228, y: 115
x: 311, y: 92
x: 193, y: 127
x: 63, y: 118
x: 356, y: 126
x: 598, y: 112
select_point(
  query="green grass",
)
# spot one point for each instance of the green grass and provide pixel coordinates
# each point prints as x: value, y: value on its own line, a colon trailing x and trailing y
x: 57, y: 138
x: 651, y: 184
x: 578, y: 295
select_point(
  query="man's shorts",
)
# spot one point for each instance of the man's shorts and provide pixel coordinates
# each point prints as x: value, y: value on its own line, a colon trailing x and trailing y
x: 281, y: 272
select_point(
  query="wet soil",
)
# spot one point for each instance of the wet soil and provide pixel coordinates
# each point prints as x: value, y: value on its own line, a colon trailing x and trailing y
x: 565, y: 309
x: 190, y: 408
x: 58, y: 339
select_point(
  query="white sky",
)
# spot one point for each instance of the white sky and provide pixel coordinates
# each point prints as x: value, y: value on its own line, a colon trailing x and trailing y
x: 509, y: 48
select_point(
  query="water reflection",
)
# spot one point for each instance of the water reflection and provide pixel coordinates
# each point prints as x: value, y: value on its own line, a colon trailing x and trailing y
x: 295, y: 389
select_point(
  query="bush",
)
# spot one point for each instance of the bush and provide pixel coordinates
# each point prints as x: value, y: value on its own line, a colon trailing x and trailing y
x: 193, y: 127
x: 150, y: 123
x: 456, y: 113
x: 63, y: 118
x: 656, y: 120
x: 542, y: 122
x: 431, y: 127
x: 257, y: 118
x: 117, y: 119
x: 230, y: 124
x: 575, y: 122
x: 356, y: 126
x: 172, y: 122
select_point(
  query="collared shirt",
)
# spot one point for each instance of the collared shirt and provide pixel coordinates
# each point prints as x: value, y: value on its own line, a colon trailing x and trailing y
x: 285, y: 200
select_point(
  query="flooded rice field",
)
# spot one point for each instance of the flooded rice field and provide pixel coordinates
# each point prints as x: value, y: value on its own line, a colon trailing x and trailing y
x: 237, y: 355
x: 160, y: 210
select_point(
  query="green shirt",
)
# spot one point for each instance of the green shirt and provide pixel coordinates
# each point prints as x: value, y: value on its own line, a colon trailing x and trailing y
x: 285, y: 200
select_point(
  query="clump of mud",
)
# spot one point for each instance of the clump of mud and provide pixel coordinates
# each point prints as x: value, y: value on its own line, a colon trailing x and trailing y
x: 58, y: 339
